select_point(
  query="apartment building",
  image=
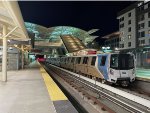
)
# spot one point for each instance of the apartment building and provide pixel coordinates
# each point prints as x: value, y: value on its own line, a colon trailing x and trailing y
x: 112, y: 40
x: 134, y: 25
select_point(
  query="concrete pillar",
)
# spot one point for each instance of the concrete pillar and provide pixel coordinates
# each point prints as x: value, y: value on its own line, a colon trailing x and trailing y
x: 22, y: 57
x: 4, y: 58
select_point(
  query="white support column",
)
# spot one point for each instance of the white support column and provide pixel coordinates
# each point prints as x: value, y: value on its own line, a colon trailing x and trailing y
x: 22, y: 57
x: 4, y: 58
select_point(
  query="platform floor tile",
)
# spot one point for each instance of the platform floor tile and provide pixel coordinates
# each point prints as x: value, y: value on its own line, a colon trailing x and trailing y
x: 25, y: 92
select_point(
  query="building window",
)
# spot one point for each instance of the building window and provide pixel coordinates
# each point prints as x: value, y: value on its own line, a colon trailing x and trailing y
x: 121, y: 25
x: 149, y: 33
x: 141, y: 17
x: 129, y: 14
x: 121, y: 19
x: 129, y: 44
x: 121, y: 45
x: 148, y: 23
x: 129, y: 36
x: 148, y: 4
x: 129, y: 22
x: 120, y: 39
x: 141, y: 8
x: 129, y: 29
x: 138, y: 42
x: 143, y: 34
x: 139, y: 34
x: 148, y: 14
x: 141, y: 26
x: 142, y: 41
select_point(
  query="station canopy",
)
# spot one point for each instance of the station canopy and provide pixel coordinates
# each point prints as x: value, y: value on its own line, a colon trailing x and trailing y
x: 42, y: 37
x: 11, y: 17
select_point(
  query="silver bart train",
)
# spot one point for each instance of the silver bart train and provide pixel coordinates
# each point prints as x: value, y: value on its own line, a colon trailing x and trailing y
x: 114, y: 68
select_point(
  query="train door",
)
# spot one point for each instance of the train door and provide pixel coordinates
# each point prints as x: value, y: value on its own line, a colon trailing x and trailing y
x: 103, y: 65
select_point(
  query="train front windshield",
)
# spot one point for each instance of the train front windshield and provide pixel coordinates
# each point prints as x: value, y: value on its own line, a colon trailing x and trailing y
x: 122, y: 61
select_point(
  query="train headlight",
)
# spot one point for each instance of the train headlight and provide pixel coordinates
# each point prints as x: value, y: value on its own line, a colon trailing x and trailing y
x: 111, y: 72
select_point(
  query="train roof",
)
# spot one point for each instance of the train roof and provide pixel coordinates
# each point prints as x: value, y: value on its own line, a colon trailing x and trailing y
x: 94, y: 55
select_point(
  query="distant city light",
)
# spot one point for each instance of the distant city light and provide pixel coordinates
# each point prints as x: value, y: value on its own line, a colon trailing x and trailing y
x: 116, y: 48
x: 108, y: 47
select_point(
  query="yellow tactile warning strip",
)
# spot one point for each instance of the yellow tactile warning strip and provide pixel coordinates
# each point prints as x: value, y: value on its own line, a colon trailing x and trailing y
x: 54, y: 91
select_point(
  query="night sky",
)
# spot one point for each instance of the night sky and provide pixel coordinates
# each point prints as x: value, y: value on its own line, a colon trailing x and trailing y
x: 85, y: 15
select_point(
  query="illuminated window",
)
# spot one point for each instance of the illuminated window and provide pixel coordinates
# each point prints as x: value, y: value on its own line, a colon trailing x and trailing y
x: 129, y: 36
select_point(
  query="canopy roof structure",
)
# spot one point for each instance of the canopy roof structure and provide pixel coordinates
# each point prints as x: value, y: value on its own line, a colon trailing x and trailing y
x: 11, y: 17
x: 51, y: 36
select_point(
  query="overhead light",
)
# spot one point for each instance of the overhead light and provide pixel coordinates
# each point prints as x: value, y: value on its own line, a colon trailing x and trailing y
x: 8, y: 40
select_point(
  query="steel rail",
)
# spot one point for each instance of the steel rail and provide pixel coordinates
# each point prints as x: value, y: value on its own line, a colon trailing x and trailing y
x: 108, y: 94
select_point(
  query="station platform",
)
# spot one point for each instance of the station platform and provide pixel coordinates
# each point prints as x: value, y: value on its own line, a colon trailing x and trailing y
x: 32, y: 90
x: 143, y: 74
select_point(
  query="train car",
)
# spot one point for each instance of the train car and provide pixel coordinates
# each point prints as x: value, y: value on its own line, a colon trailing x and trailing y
x: 114, y: 68
x: 41, y: 59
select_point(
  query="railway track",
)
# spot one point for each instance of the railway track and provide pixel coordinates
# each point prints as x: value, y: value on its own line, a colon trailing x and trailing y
x: 101, y: 93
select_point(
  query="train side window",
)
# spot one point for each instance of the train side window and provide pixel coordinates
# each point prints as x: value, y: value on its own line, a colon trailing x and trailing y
x: 72, y: 59
x: 79, y: 59
x: 86, y: 60
x: 103, y: 60
x: 75, y: 60
x: 69, y: 59
x: 93, y: 60
x: 83, y: 60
